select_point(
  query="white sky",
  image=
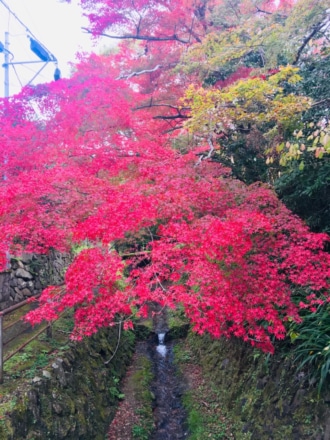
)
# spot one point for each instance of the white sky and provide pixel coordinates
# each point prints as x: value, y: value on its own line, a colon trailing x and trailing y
x: 56, y: 25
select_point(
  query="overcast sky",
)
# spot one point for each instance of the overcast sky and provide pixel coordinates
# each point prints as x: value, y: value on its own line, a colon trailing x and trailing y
x: 55, y: 24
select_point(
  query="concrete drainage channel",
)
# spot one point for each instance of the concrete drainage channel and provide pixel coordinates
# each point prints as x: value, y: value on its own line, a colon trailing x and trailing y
x: 169, y: 414
x: 152, y: 408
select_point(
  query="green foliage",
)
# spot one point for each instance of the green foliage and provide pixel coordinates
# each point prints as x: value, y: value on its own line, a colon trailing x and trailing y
x: 181, y: 355
x: 315, y: 84
x: 243, y: 154
x: 255, y: 40
x: 41, y: 361
x: 307, y: 192
x: 311, y: 349
x: 205, y: 418
x: 250, y: 102
x: 140, y: 432
x: 141, y: 381
x: 114, y: 390
x: 78, y: 247
x: 304, y: 182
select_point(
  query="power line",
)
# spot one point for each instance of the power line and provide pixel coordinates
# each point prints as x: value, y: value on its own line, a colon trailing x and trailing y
x: 20, y: 21
x: 34, y: 40
x: 36, y: 47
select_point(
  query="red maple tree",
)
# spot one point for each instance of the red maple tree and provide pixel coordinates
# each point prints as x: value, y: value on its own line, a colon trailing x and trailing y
x: 84, y: 164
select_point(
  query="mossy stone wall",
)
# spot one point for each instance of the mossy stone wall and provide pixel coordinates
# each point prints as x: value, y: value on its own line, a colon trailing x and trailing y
x: 73, y: 398
x: 265, y: 395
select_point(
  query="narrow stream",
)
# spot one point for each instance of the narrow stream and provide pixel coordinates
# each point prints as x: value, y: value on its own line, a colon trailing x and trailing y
x: 170, y: 416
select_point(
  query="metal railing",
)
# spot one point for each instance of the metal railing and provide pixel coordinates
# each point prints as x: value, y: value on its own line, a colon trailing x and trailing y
x: 3, y: 329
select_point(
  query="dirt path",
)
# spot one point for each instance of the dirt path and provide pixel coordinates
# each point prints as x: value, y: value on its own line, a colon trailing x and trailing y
x: 126, y: 417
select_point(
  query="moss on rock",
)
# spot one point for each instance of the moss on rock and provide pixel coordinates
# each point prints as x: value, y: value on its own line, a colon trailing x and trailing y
x: 71, y: 398
x: 262, y: 394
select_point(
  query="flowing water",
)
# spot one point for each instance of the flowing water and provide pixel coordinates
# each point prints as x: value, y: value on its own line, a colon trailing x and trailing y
x: 170, y: 416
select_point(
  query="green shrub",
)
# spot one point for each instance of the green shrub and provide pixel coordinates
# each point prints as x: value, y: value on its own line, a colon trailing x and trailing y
x: 311, y: 344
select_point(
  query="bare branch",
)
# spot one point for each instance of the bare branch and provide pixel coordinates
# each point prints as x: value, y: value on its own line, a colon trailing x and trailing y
x: 161, y: 105
x: 209, y: 154
x: 193, y: 34
x: 170, y: 130
x: 307, y: 39
x: 209, y: 141
x: 178, y: 116
x: 141, y: 72
x: 323, y: 101
x: 263, y: 11
x: 138, y: 37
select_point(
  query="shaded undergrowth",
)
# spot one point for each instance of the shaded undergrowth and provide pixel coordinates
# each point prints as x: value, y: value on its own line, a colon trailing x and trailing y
x: 206, y: 419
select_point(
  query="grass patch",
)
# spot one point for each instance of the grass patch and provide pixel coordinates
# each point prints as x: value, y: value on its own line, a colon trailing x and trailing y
x: 141, y: 382
x: 39, y: 352
x: 205, y: 420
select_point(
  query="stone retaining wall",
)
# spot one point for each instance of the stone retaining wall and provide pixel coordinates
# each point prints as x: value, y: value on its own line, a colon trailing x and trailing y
x: 29, y: 275
x: 74, y: 396
x: 265, y: 396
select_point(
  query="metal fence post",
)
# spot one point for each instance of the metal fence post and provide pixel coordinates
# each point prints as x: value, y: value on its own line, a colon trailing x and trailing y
x: 49, y: 331
x: 1, y: 348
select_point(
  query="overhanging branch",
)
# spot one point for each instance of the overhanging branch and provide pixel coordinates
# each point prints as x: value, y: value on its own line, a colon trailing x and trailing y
x: 151, y: 104
x: 307, y: 39
x: 138, y: 37
x: 141, y: 72
x: 178, y: 116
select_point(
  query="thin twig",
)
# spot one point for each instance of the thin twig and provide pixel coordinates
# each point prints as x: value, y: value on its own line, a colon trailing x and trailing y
x: 320, y: 102
x: 117, y: 346
x: 138, y: 37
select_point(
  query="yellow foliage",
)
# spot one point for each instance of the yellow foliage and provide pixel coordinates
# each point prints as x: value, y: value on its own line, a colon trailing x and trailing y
x: 253, y: 101
x: 315, y: 142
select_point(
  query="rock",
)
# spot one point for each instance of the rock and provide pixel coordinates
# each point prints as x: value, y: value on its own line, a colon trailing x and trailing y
x: 22, y: 273
x: 46, y: 374
x: 12, y: 293
x: 21, y: 283
x: 26, y: 258
x: 26, y: 292
x: 327, y: 428
x: 18, y: 297
x: 36, y: 379
x: 38, y: 284
x: 43, y: 408
x: 57, y: 408
x: 59, y: 372
x: 14, y: 282
x: 298, y: 398
x: 14, y: 264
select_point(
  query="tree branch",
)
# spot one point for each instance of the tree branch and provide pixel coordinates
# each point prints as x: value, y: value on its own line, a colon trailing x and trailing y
x: 161, y: 105
x: 141, y: 72
x: 178, y: 116
x: 262, y: 11
x: 170, y: 130
x: 323, y: 101
x: 138, y: 37
x: 307, y: 39
x: 209, y: 154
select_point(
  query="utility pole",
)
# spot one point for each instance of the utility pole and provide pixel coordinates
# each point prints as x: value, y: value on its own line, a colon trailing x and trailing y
x: 6, y: 64
x: 38, y: 49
